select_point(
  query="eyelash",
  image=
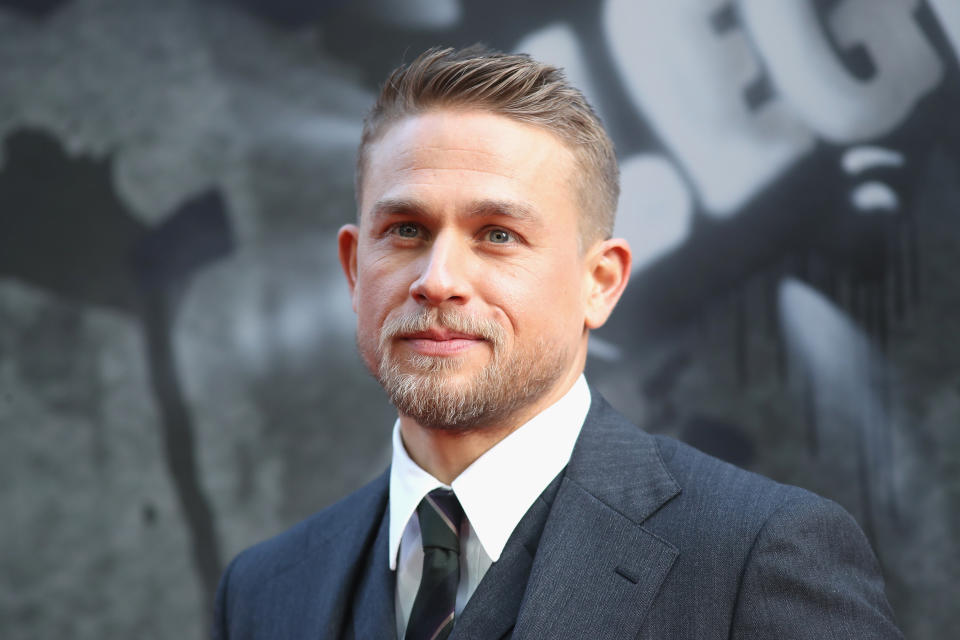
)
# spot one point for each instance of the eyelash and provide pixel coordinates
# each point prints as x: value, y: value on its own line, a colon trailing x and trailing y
x: 512, y: 236
x: 394, y: 229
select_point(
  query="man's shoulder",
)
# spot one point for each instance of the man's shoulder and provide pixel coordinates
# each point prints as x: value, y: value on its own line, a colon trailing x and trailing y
x: 341, y: 523
x: 697, y: 477
x: 736, y: 538
x: 709, y: 476
x: 305, y: 569
x: 722, y: 499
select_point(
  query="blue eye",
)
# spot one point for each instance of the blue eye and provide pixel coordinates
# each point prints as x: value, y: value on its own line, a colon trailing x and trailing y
x: 499, y: 236
x: 406, y: 230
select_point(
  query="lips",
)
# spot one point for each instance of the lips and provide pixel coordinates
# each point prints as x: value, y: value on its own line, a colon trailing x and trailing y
x: 440, y: 342
x: 439, y: 335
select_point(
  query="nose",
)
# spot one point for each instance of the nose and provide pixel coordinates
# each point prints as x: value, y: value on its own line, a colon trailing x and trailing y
x: 442, y: 278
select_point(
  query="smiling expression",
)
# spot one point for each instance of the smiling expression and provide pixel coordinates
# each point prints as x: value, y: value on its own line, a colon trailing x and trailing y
x: 466, y: 271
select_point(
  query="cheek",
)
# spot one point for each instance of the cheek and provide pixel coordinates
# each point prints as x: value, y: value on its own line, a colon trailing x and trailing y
x: 379, y: 292
x: 367, y: 338
x: 548, y: 304
x: 368, y: 312
x: 379, y: 285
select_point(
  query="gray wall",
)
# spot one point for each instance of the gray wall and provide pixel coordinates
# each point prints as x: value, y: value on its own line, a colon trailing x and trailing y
x: 177, y: 371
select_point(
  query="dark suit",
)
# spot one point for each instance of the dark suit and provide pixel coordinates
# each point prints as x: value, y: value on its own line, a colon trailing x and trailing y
x: 640, y: 537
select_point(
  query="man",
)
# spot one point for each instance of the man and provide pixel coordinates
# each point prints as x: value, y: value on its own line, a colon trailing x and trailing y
x: 518, y: 503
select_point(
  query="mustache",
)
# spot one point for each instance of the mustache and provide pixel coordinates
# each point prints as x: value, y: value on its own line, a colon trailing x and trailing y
x: 444, y: 318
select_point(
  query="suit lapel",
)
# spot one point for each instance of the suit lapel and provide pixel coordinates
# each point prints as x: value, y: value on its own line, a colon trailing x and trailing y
x: 492, y: 610
x: 596, y: 568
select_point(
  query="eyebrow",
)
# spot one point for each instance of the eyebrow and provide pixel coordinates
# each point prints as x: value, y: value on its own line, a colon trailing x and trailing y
x: 394, y: 206
x: 481, y: 208
x: 507, y: 208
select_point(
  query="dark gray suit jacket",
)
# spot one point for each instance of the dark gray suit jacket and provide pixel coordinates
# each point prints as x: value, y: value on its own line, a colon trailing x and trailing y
x: 640, y: 537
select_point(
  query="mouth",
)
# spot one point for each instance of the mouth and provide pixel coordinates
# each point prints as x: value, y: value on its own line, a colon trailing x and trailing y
x: 440, y: 342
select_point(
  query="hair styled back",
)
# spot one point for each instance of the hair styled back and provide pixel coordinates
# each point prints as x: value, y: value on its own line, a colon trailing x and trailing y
x: 515, y: 86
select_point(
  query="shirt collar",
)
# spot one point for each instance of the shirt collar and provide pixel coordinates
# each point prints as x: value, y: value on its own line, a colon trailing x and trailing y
x: 501, y: 485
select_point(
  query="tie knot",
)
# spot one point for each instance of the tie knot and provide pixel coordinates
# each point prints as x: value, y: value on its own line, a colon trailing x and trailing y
x: 440, y: 515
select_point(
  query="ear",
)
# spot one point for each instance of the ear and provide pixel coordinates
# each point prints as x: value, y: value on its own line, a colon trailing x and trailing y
x: 608, y: 271
x: 347, y: 239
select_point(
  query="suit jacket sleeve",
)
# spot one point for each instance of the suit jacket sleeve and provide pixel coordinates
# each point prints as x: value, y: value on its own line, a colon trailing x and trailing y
x: 220, y: 627
x: 812, y: 574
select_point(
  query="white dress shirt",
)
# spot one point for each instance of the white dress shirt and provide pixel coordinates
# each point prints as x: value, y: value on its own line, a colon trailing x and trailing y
x: 495, y: 492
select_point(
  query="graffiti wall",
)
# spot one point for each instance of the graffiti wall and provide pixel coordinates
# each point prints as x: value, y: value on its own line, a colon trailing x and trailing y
x: 177, y: 372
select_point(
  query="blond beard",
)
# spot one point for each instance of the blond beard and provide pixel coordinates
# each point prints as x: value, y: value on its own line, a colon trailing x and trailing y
x: 422, y: 388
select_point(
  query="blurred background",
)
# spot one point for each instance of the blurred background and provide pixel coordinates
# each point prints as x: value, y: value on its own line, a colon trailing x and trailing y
x: 177, y: 370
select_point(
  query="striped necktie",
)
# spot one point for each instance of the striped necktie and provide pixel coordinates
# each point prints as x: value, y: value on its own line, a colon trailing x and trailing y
x: 440, y: 516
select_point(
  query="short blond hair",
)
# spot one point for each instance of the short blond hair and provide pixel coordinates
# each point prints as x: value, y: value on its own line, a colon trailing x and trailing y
x: 515, y: 86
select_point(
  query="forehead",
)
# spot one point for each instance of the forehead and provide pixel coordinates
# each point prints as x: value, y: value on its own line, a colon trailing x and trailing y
x: 457, y: 151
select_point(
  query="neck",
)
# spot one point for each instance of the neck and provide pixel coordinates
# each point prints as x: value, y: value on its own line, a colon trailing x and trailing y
x: 446, y: 453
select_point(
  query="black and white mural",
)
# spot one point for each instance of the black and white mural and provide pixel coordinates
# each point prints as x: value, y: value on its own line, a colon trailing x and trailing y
x: 177, y: 370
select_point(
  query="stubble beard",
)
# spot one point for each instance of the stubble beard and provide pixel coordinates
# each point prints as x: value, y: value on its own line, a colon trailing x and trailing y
x: 423, y: 388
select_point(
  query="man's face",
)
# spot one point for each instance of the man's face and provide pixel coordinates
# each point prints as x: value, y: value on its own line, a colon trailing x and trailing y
x: 465, y: 270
